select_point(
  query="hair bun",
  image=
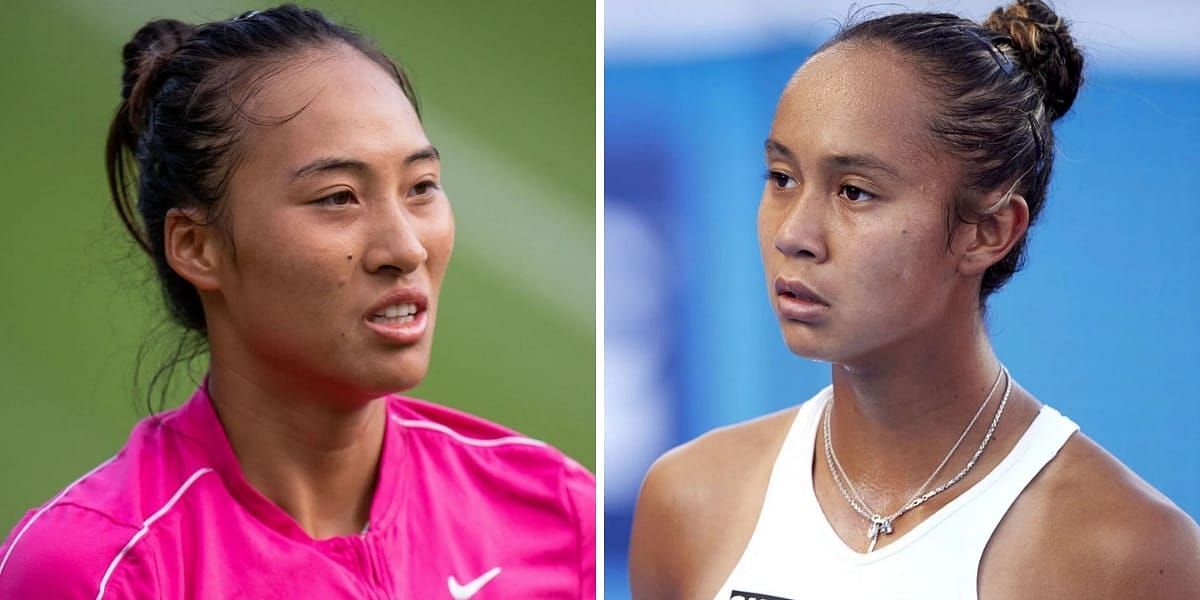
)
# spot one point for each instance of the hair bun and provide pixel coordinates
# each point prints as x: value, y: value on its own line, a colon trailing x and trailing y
x: 1045, y: 48
x: 144, y: 56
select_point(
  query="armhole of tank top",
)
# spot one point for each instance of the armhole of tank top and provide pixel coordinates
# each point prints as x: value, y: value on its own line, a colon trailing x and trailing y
x: 799, y: 432
x: 1046, y: 437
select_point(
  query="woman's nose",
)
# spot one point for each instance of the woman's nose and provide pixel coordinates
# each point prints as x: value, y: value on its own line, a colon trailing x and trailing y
x: 801, y: 233
x: 394, y: 242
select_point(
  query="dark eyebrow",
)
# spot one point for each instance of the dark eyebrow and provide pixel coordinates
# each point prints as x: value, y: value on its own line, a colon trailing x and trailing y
x: 326, y: 164
x: 337, y: 163
x: 773, y: 146
x: 426, y: 153
x: 861, y: 161
x: 837, y: 161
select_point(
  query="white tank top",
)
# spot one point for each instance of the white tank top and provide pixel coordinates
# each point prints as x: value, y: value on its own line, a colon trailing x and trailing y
x: 794, y: 554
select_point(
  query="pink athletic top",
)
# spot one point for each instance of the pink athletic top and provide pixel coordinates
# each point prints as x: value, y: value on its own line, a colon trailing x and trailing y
x: 463, y: 509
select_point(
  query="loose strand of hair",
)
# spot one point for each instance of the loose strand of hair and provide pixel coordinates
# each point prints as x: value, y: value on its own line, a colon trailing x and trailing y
x: 184, y: 350
x: 120, y: 175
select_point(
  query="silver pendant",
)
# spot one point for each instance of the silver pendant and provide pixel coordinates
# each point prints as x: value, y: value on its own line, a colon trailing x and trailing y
x: 885, y: 526
x: 878, y: 525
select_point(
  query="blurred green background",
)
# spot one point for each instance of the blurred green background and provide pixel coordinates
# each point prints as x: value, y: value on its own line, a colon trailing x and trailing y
x: 508, y: 90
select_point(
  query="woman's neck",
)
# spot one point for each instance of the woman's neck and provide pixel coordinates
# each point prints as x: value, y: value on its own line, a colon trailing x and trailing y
x: 317, y: 460
x: 896, y: 415
x: 911, y: 386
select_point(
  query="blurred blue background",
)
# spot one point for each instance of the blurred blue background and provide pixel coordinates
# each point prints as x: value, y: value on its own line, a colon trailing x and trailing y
x: 1101, y: 324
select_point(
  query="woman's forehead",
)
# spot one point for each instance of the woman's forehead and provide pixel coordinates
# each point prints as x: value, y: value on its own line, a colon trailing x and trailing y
x: 857, y: 99
x: 342, y: 102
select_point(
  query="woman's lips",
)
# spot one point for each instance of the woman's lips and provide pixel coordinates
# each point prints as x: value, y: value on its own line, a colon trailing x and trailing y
x: 400, y: 317
x: 796, y: 302
x: 403, y: 329
x: 796, y: 308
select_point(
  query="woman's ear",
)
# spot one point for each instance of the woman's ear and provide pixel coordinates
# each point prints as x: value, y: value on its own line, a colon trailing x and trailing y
x: 193, y: 248
x: 989, y: 238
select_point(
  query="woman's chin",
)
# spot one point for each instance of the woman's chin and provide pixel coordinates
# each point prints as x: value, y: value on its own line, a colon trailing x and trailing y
x: 807, y: 344
x: 400, y: 381
x: 382, y: 379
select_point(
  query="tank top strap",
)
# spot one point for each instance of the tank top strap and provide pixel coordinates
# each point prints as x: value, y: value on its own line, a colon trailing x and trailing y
x: 798, y: 445
x: 790, y: 485
x: 787, y: 511
x: 990, y: 500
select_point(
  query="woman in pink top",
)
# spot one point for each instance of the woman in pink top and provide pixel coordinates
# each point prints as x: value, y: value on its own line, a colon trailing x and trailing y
x: 275, y: 169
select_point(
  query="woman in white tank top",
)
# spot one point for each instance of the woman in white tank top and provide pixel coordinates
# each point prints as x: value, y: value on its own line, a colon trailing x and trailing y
x: 906, y: 161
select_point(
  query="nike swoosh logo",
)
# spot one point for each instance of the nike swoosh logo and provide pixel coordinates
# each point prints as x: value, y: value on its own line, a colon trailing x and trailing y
x: 463, y: 592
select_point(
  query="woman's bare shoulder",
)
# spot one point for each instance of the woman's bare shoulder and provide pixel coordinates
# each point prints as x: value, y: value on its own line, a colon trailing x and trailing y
x: 698, y: 506
x: 1096, y: 529
x: 723, y: 453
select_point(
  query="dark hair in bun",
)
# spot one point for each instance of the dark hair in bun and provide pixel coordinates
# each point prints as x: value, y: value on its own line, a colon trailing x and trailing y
x: 1045, y: 48
x: 175, y: 139
x: 1000, y: 85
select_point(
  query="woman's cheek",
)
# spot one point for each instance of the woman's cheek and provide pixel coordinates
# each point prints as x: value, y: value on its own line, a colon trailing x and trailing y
x: 439, y: 243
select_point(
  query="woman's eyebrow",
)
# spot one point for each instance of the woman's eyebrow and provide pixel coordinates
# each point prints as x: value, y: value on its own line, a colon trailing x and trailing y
x: 776, y: 148
x: 860, y: 161
x: 426, y: 153
x: 326, y: 164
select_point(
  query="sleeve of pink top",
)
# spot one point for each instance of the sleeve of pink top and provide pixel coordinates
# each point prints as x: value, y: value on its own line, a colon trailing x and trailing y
x: 67, y: 552
x: 580, y: 490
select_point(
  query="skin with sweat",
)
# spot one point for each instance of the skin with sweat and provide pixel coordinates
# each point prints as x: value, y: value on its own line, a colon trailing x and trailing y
x: 868, y: 269
x: 329, y: 217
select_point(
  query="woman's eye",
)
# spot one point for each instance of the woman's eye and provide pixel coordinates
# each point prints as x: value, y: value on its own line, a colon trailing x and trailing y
x: 855, y: 194
x: 343, y: 198
x: 424, y: 188
x: 781, y: 180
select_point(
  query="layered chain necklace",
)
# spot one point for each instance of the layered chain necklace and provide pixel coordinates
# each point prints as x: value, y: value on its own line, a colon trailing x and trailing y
x: 883, y: 525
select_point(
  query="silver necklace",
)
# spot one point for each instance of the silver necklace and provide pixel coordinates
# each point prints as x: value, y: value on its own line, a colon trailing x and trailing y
x: 858, y: 496
x: 883, y: 525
